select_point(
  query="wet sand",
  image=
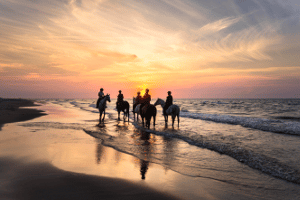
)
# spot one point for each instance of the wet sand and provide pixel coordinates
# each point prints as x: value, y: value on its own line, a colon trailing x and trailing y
x: 24, y: 175
x: 21, y: 180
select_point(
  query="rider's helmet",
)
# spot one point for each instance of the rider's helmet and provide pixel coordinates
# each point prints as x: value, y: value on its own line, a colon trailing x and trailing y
x: 101, y: 89
x: 169, y: 92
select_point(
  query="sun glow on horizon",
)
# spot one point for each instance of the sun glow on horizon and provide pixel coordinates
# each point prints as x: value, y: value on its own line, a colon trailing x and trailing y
x: 72, y: 48
x: 142, y: 88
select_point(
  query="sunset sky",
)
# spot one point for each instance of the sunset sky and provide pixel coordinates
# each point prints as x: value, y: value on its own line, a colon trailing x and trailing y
x: 195, y: 48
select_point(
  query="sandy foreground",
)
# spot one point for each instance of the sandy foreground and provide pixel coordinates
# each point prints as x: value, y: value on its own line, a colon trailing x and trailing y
x: 23, y: 179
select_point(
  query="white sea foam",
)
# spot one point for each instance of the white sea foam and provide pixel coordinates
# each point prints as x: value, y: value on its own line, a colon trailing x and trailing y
x: 276, y: 126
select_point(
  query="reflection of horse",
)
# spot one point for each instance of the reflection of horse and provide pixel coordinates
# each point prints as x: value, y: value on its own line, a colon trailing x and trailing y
x: 123, y: 106
x: 147, y: 112
x: 145, y: 152
x: 102, y: 106
x: 173, y: 110
x: 136, y: 110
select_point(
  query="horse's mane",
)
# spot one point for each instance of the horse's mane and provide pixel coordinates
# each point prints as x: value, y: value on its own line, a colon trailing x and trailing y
x: 159, y: 99
x: 104, y: 99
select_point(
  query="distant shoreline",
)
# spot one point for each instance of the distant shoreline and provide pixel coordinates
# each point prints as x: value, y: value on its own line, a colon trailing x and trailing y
x: 11, y: 111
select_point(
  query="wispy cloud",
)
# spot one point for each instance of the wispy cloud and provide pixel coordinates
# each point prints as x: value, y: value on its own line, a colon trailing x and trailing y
x: 136, y: 42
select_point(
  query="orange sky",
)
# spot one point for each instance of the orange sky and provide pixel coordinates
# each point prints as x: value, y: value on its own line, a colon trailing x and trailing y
x: 196, y: 49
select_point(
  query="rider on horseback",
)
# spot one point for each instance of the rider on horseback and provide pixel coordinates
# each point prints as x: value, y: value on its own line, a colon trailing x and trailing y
x: 138, y: 100
x: 146, y: 99
x: 100, y: 96
x: 120, y: 98
x: 169, y: 102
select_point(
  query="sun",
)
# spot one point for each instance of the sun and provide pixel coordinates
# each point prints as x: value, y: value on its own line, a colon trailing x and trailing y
x: 142, y: 88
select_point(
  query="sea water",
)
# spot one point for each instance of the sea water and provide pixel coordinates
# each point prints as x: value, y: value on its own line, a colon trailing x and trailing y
x: 248, y: 143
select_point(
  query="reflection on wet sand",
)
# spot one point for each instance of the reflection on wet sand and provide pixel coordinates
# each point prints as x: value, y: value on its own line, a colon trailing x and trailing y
x: 142, y: 144
x: 99, y: 152
x: 168, y: 152
x: 144, y: 168
x: 145, y: 149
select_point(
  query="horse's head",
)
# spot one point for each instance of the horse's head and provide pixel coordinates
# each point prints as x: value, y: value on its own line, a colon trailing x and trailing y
x: 108, y: 97
x: 158, y: 102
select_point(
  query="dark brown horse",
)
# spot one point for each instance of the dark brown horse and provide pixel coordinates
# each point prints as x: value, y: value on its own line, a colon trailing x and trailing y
x: 124, y: 107
x: 147, y: 112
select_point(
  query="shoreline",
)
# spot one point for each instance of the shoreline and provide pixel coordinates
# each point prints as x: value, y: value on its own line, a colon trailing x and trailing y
x: 23, y: 179
x: 11, y: 110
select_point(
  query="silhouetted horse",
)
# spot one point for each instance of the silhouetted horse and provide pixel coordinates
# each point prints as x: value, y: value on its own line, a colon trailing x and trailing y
x: 123, y: 106
x: 102, y: 106
x: 147, y: 112
x: 173, y: 110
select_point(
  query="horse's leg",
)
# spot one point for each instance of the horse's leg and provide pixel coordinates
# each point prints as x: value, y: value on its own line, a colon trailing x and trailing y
x: 178, y: 120
x: 128, y: 111
x: 148, y: 122
x: 173, y: 119
x: 128, y: 114
x: 154, y: 120
x: 166, y: 119
x: 103, y: 115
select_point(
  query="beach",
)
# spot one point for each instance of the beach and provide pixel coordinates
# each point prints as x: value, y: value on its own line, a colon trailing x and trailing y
x: 61, y: 152
x: 22, y: 178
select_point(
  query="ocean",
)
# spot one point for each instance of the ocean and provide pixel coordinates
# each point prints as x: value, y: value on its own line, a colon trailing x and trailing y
x: 251, y: 144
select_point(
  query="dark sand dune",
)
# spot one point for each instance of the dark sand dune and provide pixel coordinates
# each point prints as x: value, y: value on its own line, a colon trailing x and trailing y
x: 10, y: 111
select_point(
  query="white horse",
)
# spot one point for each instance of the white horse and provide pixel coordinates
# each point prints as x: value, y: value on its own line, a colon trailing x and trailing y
x: 136, y: 110
x: 102, y: 106
x: 173, y: 110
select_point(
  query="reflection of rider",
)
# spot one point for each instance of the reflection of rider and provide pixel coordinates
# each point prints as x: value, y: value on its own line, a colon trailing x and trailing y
x: 100, y: 96
x: 144, y: 168
x: 169, y: 102
x: 120, y: 98
x: 138, y: 100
